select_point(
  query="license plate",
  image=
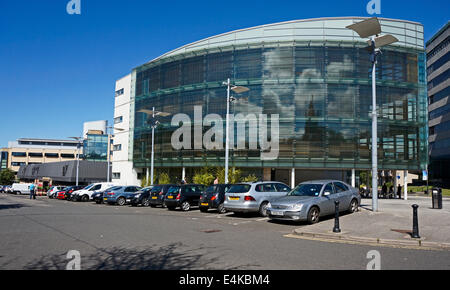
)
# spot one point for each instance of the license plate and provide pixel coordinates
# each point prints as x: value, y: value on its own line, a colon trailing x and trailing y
x: 277, y: 213
x: 233, y: 198
x: 105, y: 198
x: 205, y: 204
x: 170, y: 197
x: 154, y: 197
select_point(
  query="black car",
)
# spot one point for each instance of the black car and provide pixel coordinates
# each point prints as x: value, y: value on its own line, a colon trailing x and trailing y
x: 213, y: 198
x: 141, y: 197
x: 98, y: 196
x: 69, y: 190
x: 184, y: 196
x: 158, y: 193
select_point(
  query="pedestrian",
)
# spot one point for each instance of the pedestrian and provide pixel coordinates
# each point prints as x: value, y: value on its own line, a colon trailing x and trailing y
x: 216, y: 181
x: 399, y: 191
x: 183, y: 182
x: 384, y: 190
x: 32, y: 193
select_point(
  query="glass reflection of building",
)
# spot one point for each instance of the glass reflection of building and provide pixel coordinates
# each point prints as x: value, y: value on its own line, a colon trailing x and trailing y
x: 315, y: 74
x: 95, y: 147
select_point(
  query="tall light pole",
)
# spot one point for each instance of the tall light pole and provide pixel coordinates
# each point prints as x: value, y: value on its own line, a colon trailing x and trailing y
x: 237, y: 90
x: 110, y: 136
x: 78, y: 156
x: 371, y: 28
x: 154, y: 124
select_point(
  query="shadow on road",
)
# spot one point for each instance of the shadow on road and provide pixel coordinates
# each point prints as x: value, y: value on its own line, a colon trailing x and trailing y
x: 171, y: 257
x: 12, y: 206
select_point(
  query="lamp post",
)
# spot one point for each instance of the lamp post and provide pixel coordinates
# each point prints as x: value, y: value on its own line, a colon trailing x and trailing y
x: 110, y: 136
x: 237, y: 90
x: 371, y: 28
x: 154, y: 124
x: 78, y: 156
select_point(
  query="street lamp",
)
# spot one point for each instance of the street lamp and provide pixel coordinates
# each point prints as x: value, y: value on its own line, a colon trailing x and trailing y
x: 237, y: 90
x: 78, y: 155
x: 371, y: 28
x: 109, y: 149
x: 154, y: 124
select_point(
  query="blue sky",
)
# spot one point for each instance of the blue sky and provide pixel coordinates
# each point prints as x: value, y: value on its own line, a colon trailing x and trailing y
x: 58, y: 70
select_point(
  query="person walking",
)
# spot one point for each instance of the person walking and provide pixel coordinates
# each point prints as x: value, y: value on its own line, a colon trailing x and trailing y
x: 216, y: 181
x: 399, y: 191
x: 32, y: 191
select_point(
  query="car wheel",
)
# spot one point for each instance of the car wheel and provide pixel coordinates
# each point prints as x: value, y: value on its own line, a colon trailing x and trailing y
x: 353, y: 206
x: 121, y: 201
x: 185, y: 206
x: 263, y: 209
x: 313, y: 215
x: 145, y: 202
x: 85, y: 198
x: 221, y: 209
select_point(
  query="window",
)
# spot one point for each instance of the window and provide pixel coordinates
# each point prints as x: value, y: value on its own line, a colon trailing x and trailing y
x: 118, y: 120
x: 19, y: 154
x: 329, y: 188
x: 282, y: 187
x: 340, y: 187
x: 120, y: 92
x: 65, y: 155
x: 116, y: 175
x: 118, y: 147
x: 52, y: 155
x: 18, y: 163
x: 35, y: 154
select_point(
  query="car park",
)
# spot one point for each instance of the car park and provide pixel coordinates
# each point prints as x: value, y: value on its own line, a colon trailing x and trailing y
x: 71, y: 189
x: 213, y: 198
x: 158, y: 195
x: 52, y: 192
x: 120, y: 195
x: 85, y: 194
x: 21, y: 188
x: 253, y: 197
x: 98, y: 195
x: 142, y: 197
x: 184, y: 196
x: 313, y: 199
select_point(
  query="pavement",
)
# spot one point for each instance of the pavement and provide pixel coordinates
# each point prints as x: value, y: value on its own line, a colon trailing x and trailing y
x: 390, y: 226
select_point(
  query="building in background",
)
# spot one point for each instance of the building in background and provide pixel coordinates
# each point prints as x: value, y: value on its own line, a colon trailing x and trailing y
x: 122, y: 165
x: 29, y: 151
x: 438, y: 70
x: 316, y: 74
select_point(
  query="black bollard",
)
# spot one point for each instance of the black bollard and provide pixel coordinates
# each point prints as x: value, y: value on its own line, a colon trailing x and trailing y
x: 336, y: 228
x: 415, y: 232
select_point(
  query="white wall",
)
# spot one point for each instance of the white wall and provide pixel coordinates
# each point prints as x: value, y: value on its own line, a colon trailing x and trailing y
x: 120, y: 162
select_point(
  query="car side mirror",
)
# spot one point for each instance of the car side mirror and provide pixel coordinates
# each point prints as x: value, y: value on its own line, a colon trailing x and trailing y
x: 326, y: 193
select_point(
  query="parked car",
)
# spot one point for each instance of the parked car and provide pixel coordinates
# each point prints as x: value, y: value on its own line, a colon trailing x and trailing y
x: 157, y: 195
x: 120, y: 195
x: 3, y: 188
x: 142, y: 197
x: 71, y: 189
x: 7, y: 189
x: 253, y: 197
x: 21, y: 188
x: 184, y: 196
x: 213, y: 198
x: 313, y: 199
x: 85, y: 194
x: 51, y: 193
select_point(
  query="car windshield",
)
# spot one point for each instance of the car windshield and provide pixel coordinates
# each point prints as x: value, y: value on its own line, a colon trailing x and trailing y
x: 89, y: 186
x: 156, y: 189
x: 239, y: 188
x: 174, y: 189
x: 115, y: 188
x: 306, y: 189
x: 211, y: 188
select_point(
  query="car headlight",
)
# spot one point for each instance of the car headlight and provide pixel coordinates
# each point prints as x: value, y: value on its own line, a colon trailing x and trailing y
x: 137, y: 195
x: 297, y: 207
x: 269, y: 205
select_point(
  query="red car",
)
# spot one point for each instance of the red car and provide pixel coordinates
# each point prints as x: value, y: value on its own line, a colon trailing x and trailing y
x: 61, y: 194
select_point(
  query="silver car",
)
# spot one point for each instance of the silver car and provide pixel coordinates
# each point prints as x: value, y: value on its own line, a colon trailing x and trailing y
x: 253, y: 197
x: 312, y: 199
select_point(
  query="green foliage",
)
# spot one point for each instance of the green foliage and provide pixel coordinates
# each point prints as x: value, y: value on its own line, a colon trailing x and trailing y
x: 250, y: 178
x: 204, y: 176
x: 164, y: 178
x: 363, y: 178
x: 144, y: 182
x: 234, y: 175
x: 7, y: 177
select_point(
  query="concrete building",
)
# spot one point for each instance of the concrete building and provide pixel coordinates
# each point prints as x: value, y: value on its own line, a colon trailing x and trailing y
x: 29, y: 151
x: 438, y: 70
x: 315, y: 74
x: 123, y: 171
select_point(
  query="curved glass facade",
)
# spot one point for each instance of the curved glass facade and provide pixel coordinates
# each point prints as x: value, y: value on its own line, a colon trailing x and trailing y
x: 320, y: 89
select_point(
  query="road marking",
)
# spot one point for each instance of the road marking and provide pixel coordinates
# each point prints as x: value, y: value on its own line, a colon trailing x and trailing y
x: 263, y: 219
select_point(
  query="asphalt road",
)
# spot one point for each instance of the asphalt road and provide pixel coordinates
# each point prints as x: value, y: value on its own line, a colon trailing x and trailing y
x: 38, y: 234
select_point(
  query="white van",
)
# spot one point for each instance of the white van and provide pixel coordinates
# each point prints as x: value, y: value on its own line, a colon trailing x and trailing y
x: 85, y: 194
x: 21, y: 188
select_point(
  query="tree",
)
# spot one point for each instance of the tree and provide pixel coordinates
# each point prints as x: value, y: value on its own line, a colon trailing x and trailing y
x: 164, y: 178
x: 234, y: 175
x: 7, y: 177
x: 250, y: 178
x: 204, y: 176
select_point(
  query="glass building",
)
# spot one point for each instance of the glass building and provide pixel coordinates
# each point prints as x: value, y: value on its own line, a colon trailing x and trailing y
x: 95, y: 147
x: 315, y: 74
